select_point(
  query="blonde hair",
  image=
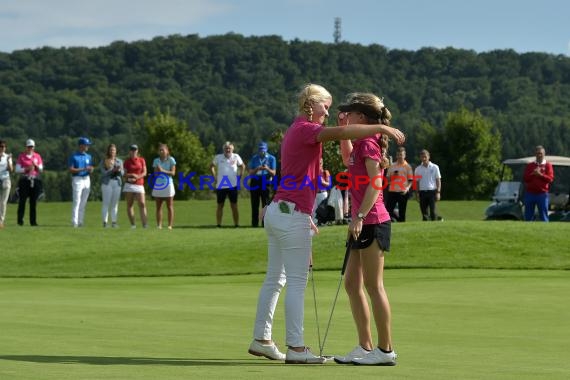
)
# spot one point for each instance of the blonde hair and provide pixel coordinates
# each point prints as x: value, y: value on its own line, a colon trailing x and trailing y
x: 311, y: 94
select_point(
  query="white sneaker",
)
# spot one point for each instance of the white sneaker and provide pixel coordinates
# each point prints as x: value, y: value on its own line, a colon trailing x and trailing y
x: 377, y: 357
x: 304, y: 357
x: 358, y: 352
x: 270, y: 351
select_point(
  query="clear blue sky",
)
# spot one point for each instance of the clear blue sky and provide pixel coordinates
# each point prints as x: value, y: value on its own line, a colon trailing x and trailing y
x: 483, y: 25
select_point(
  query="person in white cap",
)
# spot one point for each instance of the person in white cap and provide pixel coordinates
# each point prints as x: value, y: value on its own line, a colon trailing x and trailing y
x: 80, y: 166
x: 29, y: 165
x: 228, y: 169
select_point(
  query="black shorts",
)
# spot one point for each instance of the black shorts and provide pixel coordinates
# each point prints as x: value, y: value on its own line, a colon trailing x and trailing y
x: 231, y: 193
x: 381, y: 232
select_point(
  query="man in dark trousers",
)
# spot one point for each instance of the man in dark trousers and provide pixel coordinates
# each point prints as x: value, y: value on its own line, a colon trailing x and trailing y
x: 262, y: 168
x: 29, y: 166
x: 429, y: 186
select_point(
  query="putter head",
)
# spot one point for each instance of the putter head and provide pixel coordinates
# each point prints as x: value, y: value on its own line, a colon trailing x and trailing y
x: 327, y: 358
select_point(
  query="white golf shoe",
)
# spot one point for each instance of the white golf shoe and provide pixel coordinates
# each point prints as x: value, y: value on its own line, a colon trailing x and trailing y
x: 304, y: 357
x: 270, y: 351
x: 358, y: 352
x: 377, y: 357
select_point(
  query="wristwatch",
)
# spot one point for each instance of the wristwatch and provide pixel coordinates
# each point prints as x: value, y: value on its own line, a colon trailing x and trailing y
x: 360, y: 216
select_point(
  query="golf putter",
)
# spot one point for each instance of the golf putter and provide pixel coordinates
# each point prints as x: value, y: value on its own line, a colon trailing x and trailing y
x: 326, y: 357
x: 315, y: 300
x: 345, y: 262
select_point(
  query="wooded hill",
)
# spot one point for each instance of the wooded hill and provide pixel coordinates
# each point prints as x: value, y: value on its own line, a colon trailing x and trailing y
x: 243, y: 89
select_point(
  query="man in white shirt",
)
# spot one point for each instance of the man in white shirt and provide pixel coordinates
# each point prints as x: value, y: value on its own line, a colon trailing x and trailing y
x: 228, y: 169
x: 429, y: 186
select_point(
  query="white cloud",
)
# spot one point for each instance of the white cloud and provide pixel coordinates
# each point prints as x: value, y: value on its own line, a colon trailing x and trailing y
x: 91, y: 23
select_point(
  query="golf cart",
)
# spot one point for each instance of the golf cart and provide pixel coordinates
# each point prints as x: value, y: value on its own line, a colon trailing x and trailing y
x: 508, y: 199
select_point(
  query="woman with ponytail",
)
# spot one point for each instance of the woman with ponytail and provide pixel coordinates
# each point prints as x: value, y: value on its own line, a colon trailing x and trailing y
x: 369, y: 230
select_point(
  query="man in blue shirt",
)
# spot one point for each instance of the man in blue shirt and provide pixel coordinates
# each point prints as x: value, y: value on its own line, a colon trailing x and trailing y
x: 262, y: 168
x: 80, y: 166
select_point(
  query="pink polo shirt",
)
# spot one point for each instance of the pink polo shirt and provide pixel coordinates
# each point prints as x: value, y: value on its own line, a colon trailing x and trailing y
x: 361, y: 150
x: 300, y: 156
x: 25, y: 160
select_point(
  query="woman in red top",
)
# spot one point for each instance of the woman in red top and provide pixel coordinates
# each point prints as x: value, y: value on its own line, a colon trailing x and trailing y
x: 135, y: 171
x: 370, y: 232
x: 538, y: 176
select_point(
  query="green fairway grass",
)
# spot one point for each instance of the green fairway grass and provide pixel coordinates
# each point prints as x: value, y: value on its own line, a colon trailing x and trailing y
x: 447, y: 324
x: 471, y: 299
x: 194, y: 247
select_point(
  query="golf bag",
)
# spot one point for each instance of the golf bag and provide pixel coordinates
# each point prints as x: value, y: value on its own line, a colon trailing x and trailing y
x: 325, y: 213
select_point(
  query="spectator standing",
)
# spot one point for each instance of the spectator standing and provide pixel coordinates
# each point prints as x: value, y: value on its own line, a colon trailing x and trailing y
x: 111, y: 181
x: 80, y: 166
x: 228, y: 169
x: 6, y: 167
x: 538, y: 176
x: 262, y: 167
x: 135, y: 171
x: 429, y: 186
x: 29, y: 166
x: 400, y: 179
x: 164, y: 167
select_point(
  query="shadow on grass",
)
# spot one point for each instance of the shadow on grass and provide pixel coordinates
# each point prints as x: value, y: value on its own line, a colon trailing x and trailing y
x: 118, y: 360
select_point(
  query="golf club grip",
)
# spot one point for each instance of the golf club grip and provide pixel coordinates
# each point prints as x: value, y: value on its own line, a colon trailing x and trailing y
x: 346, y: 255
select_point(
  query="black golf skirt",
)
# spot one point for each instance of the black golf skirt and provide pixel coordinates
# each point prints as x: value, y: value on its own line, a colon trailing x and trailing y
x: 381, y: 232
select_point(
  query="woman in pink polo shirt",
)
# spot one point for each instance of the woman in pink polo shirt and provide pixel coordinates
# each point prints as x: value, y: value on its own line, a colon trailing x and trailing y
x: 366, y: 158
x: 288, y: 222
x: 29, y: 166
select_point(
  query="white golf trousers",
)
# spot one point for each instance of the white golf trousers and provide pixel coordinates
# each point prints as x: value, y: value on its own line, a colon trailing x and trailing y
x: 81, y: 187
x: 4, y: 195
x: 111, y: 194
x: 289, y: 249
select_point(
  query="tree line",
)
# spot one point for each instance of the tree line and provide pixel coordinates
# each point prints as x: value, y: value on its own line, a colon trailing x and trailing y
x: 242, y: 89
